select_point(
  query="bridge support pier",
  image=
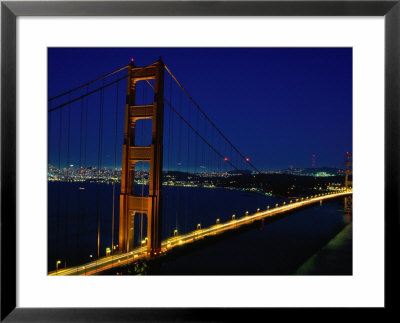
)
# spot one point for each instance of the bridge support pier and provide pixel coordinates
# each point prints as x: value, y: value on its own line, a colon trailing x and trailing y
x: 348, y: 203
x: 130, y: 204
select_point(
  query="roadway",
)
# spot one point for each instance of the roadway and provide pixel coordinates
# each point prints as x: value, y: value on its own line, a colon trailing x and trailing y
x: 116, y: 260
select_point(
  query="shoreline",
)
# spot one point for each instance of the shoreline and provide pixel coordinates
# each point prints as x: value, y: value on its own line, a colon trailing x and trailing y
x: 335, y: 258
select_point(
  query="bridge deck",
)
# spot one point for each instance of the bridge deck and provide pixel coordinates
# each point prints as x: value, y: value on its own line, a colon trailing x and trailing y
x: 116, y: 260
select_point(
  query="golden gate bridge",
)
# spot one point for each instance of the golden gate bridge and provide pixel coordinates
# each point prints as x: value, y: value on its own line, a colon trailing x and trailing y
x: 167, y: 141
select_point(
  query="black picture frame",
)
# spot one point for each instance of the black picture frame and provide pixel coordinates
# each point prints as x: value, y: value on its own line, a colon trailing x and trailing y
x: 10, y: 10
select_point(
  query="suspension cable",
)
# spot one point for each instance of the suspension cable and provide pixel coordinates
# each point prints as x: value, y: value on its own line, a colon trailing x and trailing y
x: 99, y: 163
x: 59, y: 185
x: 66, y: 227
x: 206, y: 116
x: 196, y: 132
x: 88, y: 83
x: 80, y: 178
x: 87, y: 94
x: 115, y: 166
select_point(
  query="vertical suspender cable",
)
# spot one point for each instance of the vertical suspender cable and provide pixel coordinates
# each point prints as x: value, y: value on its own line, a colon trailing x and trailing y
x: 86, y: 126
x: 179, y: 161
x: 115, y: 167
x: 187, y: 167
x: 85, y: 213
x: 99, y: 159
x: 67, y: 218
x: 80, y: 178
x: 59, y: 186
x: 171, y: 146
x: 195, y: 160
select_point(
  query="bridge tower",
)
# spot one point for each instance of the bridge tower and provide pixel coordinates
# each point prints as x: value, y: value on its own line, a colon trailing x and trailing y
x: 130, y: 204
x: 348, y: 182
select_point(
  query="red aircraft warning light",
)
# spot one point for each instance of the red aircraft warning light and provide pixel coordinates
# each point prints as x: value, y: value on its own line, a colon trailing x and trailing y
x: 226, y: 159
x: 247, y: 159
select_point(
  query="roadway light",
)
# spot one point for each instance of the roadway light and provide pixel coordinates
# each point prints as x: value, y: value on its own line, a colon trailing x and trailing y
x: 233, y: 216
x: 267, y: 207
x: 284, y: 203
x: 175, y: 232
x: 258, y: 210
x: 217, y: 221
x: 247, y: 212
x: 198, y: 226
x: 276, y: 205
x: 57, y: 263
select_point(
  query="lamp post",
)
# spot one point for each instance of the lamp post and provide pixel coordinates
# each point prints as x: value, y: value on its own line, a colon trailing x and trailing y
x: 57, y: 263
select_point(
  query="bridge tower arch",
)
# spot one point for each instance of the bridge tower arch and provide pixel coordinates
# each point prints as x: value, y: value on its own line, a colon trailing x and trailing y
x: 130, y: 204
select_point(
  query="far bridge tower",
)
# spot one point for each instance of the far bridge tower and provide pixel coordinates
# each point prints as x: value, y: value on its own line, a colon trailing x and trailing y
x: 348, y: 182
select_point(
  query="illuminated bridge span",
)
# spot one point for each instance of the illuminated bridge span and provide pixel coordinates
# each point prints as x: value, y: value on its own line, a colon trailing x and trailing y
x: 108, y: 262
x: 116, y: 195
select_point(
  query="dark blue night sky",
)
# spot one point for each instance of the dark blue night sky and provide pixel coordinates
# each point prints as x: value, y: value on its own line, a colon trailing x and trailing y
x: 277, y: 105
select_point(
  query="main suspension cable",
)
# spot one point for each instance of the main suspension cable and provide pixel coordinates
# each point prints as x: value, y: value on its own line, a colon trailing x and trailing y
x: 197, y: 133
x: 206, y: 116
x: 88, y: 83
x: 87, y: 94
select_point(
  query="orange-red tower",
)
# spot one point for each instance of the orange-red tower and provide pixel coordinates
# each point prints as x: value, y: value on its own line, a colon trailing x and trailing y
x: 130, y: 204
